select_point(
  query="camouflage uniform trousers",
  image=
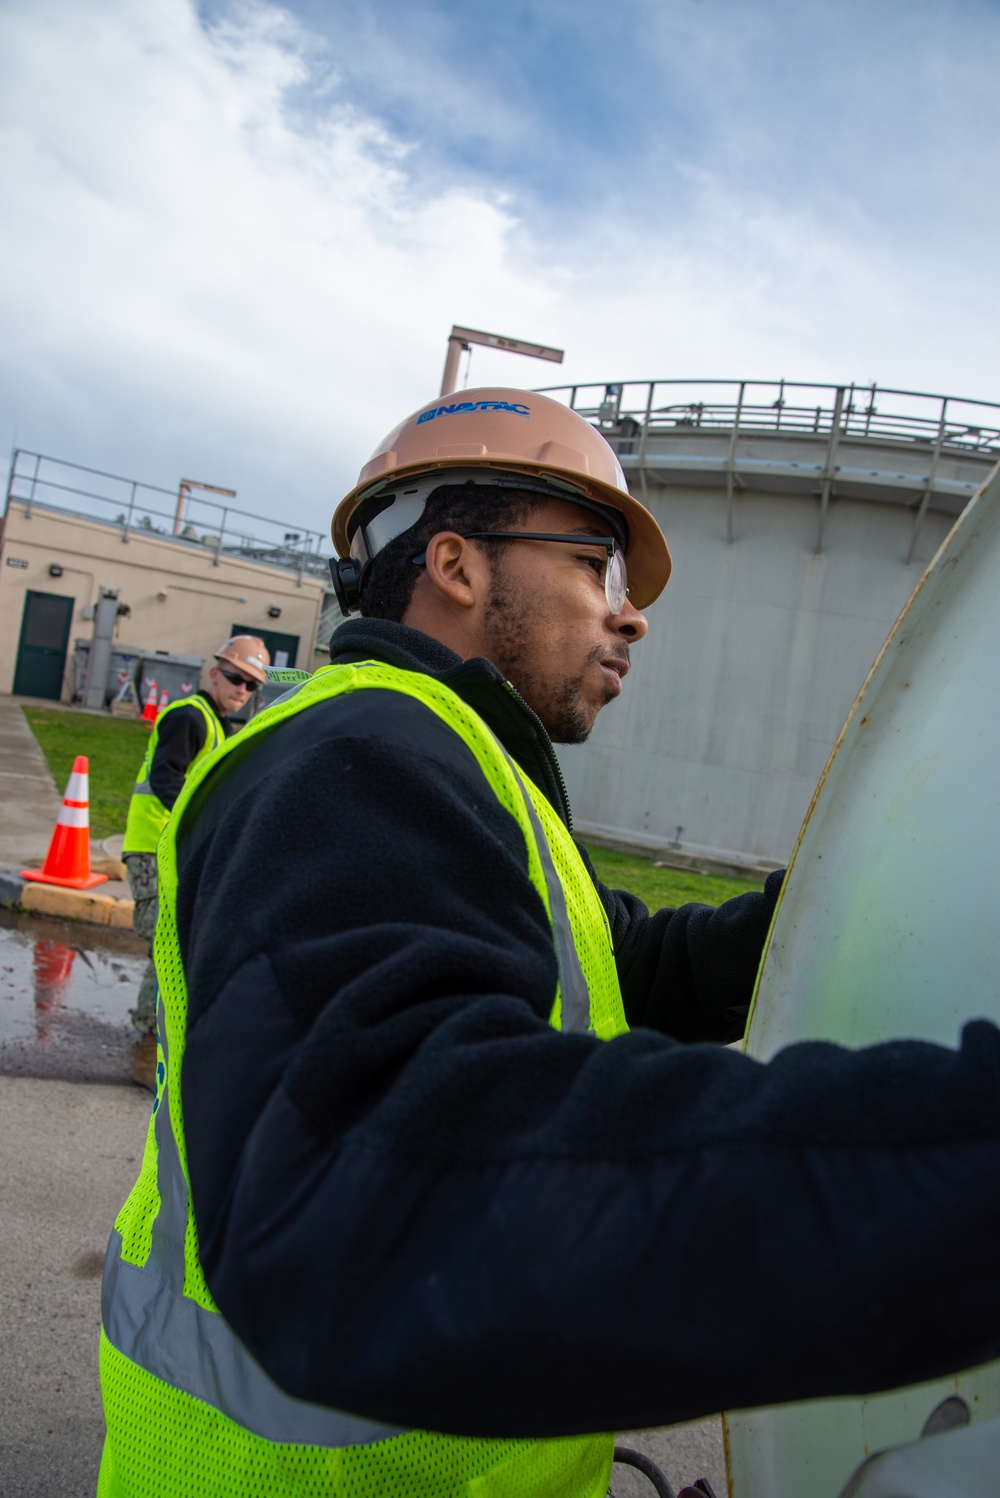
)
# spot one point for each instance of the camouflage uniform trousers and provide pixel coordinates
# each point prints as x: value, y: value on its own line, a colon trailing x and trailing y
x: 145, y: 892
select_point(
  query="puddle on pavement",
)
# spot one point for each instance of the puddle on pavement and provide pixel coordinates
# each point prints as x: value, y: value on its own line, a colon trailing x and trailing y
x: 66, y: 990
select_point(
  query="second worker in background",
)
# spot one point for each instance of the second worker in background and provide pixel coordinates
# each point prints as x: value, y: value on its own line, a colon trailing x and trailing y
x: 184, y: 733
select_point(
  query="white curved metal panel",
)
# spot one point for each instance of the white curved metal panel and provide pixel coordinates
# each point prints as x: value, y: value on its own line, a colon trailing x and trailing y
x: 887, y: 928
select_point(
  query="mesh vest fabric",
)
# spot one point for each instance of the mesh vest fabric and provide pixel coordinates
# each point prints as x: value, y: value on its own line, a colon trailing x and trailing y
x: 147, y: 815
x: 187, y: 1409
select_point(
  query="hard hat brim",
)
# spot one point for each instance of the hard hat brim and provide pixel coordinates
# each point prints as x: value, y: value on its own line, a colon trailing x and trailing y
x: 647, y: 556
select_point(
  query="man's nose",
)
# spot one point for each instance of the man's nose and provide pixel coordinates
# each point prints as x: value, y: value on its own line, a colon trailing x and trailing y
x: 630, y: 623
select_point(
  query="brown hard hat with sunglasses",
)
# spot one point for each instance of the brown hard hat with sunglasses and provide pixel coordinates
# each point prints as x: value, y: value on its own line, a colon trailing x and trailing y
x: 488, y: 436
x: 248, y: 659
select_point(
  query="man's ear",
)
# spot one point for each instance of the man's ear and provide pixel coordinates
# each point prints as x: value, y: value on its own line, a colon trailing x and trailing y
x: 457, y: 570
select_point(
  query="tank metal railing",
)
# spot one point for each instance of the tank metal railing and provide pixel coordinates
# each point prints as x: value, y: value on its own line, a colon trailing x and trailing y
x: 639, y: 416
x: 789, y: 407
x: 139, y: 509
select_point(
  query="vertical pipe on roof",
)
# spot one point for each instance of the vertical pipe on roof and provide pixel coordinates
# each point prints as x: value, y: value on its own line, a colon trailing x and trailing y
x: 925, y: 498
x: 831, y: 465
x: 731, y: 463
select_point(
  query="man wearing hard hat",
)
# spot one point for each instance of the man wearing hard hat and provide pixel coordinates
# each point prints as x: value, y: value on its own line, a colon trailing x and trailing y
x: 420, y: 1211
x: 183, y: 734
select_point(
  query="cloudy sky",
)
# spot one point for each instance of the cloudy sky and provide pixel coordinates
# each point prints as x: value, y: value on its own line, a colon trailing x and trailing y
x: 236, y: 233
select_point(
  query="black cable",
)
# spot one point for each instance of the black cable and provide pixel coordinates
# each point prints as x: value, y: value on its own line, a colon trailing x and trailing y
x: 627, y: 1457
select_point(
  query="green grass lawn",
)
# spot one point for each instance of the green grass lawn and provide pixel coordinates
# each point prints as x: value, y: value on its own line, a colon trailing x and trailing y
x: 114, y: 746
x: 659, y: 887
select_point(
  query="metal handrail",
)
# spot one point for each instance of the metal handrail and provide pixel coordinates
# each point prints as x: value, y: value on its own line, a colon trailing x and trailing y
x: 869, y: 413
x: 221, y: 530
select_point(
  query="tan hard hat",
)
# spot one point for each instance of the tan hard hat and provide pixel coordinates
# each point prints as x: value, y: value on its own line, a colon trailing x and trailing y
x: 515, y: 431
x: 247, y: 653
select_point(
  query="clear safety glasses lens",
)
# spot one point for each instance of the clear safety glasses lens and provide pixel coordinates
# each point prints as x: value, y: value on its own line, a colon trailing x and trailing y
x: 616, y: 582
x: 615, y: 575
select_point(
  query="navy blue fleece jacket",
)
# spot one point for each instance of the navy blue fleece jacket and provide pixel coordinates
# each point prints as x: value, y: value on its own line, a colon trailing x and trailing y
x: 417, y: 1202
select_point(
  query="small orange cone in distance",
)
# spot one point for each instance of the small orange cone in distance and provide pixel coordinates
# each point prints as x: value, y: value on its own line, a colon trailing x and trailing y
x: 149, y: 711
x: 164, y: 700
x: 68, y: 859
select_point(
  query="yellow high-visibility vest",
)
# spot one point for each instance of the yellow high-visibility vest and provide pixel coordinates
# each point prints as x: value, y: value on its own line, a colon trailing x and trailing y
x: 147, y: 815
x: 189, y: 1412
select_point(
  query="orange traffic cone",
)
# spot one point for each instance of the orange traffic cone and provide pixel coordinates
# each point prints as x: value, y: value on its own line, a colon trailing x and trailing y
x: 164, y: 699
x: 68, y: 859
x: 149, y: 711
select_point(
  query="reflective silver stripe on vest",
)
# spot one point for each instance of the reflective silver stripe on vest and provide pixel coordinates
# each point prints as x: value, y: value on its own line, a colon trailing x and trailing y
x: 148, y: 1319
x: 572, y: 984
x: 194, y: 1350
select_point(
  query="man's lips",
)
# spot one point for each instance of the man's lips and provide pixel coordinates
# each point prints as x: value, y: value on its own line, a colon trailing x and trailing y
x: 615, y: 668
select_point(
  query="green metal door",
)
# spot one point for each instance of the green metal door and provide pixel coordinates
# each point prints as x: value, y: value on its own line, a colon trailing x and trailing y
x: 41, y: 651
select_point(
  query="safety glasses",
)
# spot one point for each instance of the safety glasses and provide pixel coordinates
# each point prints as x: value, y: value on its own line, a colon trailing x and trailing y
x: 615, y: 576
x: 238, y: 680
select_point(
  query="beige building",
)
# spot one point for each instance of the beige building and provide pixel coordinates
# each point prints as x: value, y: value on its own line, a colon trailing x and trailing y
x: 180, y: 595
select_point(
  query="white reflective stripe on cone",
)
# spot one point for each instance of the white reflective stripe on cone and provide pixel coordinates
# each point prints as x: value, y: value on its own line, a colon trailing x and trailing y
x: 73, y: 816
x: 77, y: 789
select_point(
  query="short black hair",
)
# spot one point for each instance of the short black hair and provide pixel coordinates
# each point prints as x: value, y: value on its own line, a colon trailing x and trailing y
x: 390, y: 578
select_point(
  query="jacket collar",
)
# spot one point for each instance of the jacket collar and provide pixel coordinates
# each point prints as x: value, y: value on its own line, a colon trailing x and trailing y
x: 477, y: 681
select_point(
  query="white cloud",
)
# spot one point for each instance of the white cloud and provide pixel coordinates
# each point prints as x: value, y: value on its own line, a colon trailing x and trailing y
x: 192, y: 279
x: 202, y: 276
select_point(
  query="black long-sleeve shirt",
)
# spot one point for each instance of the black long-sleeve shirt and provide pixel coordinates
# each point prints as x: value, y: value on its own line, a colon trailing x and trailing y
x: 418, y: 1202
x: 180, y: 736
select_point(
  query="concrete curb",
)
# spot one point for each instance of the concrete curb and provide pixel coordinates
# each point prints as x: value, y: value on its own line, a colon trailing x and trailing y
x: 64, y: 904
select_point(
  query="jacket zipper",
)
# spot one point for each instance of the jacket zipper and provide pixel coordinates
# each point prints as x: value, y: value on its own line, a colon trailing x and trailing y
x: 550, y: 752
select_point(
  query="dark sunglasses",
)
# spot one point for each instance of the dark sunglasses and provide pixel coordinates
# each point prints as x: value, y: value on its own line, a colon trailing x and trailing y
x: 238, y: 680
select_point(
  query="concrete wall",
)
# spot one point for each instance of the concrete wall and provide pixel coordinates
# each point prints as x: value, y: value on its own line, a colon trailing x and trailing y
x: 180, y: 602
x: 755, y: 653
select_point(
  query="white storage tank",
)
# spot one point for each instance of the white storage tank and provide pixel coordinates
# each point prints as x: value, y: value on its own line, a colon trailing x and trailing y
x: 799, y: 517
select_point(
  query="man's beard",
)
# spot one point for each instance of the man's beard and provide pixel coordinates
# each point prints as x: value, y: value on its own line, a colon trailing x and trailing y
x: 563, y: 719
x: 510, y: 625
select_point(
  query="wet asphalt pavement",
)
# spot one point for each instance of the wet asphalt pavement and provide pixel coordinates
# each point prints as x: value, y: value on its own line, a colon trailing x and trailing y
x: 65, y: 994
x: 70, y: 1152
